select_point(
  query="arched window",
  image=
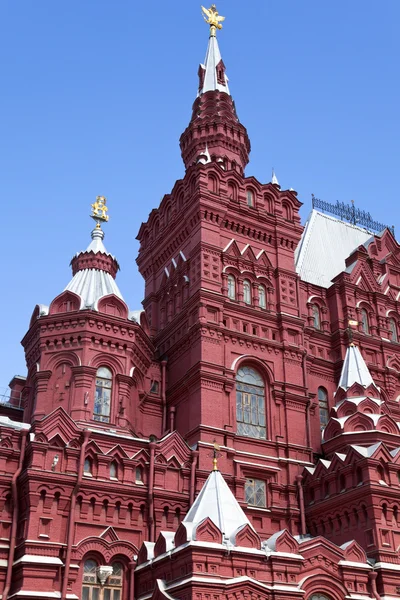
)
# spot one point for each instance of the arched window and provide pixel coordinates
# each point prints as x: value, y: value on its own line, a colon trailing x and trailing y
x: 250, y: 198
x: 323, y: 407
x: 232, y: 191
x: 364, y: 321
x: 102, y: 583
x: 88, y: 466
x: 247, y: 291
x: 250, y: 403
x: 114, y: 470
x: 262, y: 296
x: 102, y: 399
x: 393, y: 329
x: 316, y: 316
x: 231, y: 287
x: 138, y: 475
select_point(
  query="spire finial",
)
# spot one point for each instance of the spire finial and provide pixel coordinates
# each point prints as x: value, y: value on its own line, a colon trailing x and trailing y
x: 274, y: 178
x: 213, y: 19
x: 99, y: 210
x: 215, y: 456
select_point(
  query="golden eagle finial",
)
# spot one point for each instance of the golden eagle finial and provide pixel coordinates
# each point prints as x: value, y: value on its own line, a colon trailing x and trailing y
x: 213, y: 19
x: 99, y: 210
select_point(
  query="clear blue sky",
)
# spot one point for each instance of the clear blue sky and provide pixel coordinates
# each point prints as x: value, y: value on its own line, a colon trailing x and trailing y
x: 95, y: 94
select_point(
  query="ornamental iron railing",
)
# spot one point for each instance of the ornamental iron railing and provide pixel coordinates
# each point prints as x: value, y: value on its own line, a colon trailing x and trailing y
x: 348, y: 212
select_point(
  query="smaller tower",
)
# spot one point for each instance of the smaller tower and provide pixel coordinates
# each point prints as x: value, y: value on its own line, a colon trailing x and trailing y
x: 214, y: 123
x: 87, y: 353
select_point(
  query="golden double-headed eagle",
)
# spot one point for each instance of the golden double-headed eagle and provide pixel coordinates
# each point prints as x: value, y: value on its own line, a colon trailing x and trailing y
x: 212, y: 17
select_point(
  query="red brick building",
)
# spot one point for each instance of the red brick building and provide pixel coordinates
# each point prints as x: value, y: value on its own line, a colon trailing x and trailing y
x: 273, y: 346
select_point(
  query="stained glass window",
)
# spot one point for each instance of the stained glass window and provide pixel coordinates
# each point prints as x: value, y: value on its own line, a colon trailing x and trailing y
x: 102, y: 398
x: 254, y: 490
x: 250, y: 403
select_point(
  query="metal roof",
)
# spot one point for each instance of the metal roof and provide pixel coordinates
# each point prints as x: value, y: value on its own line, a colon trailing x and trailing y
x: 354, y: 370
x: 217, y: 502
x: 93, y: 284
x: 324, y: 246
x: 213, y: 58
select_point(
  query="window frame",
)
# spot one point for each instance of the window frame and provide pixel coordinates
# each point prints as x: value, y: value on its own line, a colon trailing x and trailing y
x: 264, y: 289
x: 103, y: 383
x: 247, y: 284
x: 251, y: 484
x: 251, y: 419
x: 323, y: 405
x: 364, y: 319
x: 231, y: 280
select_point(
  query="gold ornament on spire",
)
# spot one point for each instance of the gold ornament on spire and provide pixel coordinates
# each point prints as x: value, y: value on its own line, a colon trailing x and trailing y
x: 99, y: 210
x: 216, y: 454
x: 213, y: 19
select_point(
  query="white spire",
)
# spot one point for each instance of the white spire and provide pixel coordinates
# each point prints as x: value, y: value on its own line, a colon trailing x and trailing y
x: 274, y: 178
x: 354, y: 370
x: 211, y: 81
x: 217, y: 502
x: 204, y: 157
x: 96, y: 245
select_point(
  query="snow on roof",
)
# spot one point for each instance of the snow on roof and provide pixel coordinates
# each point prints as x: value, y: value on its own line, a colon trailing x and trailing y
x: 324, y: 246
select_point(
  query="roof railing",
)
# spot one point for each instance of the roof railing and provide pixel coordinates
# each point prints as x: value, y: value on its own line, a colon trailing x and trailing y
x: 348, y: 212
x: 10, y: 398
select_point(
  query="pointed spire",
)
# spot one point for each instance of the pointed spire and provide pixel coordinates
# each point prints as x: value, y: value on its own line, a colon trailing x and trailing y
x: 354, y: 370
x: 274, y: 178
x: 212, y: 73
x: 204, y: 157
x: 217, y: 503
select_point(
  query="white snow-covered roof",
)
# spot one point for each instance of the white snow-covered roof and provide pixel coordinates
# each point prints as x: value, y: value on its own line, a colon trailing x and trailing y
x: 354, y: 370
x: 324, y: 246
x: 213, y: 57
x: 217, y: 502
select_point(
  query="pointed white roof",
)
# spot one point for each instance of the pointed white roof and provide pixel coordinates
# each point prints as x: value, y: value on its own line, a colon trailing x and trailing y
x: 213, y: 58
x: 354, y: 370
x: 217, y: 502
x: 274, y: 178
x: 93, y: 284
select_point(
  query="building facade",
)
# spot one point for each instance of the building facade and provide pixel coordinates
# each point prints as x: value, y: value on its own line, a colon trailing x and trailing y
x: 267, y: 349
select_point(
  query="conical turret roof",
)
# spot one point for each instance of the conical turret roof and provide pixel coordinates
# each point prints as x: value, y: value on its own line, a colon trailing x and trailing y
x: 217, y: 503
x: 354, y: 370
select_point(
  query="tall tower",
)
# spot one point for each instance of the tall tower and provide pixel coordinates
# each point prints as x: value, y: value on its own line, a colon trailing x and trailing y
x: 221, y: 291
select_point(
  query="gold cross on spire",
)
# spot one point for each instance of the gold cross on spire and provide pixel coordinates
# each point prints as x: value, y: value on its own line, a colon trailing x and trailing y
x: 213, y: 19
x: 99, y: 210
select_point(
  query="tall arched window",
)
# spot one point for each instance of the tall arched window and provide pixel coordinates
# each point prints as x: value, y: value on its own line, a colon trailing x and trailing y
x: 262, y: 296
x: 231, y: 287
x: 323, y: 407
x: 102, y: 583
x: 113, y: 470
x: 250, y: 198
x: 102, y: 399
x: 250, y: 403
x: 316, y: 316
x: 247, y: 291
x: 393, y: 329
x: 364, y: 321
